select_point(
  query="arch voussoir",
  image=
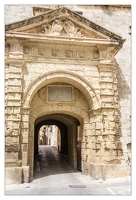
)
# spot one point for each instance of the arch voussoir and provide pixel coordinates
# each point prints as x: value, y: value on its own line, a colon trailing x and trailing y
x: 61, y: 75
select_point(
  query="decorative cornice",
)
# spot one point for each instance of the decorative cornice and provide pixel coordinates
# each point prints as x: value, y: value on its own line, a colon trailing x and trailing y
x: 40, y: 10
x: 15, y: 60
x: 55, y: 53
x: 63, y: 13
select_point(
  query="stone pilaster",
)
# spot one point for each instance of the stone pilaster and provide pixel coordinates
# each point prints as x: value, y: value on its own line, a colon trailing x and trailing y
x: 85, y: 149
x: 106, y: 148
x: 13, y: 118
x: 110, y: 112
x: 24, y: 136
x: 13, y: 109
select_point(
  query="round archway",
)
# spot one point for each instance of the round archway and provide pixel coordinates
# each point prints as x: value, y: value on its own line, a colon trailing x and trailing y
x: 83, y: 101
x: 65, y: 77
x: 70, y: 131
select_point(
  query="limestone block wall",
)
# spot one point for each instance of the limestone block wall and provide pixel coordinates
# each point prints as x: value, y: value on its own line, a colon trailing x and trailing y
x: 118, y: 21
x: 90, y: 73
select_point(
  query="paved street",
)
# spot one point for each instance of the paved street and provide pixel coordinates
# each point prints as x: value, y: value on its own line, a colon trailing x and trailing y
x: 54, y: 176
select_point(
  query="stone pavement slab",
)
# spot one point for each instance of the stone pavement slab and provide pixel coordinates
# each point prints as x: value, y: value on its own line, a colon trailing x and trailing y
x: 79, y: 185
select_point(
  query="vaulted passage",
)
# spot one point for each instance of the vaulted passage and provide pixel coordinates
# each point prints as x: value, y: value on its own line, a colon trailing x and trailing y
x: 51, y: 162
x: 56, y: 143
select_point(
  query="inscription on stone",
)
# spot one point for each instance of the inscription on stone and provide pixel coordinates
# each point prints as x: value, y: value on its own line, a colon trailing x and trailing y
x: 59, y: 93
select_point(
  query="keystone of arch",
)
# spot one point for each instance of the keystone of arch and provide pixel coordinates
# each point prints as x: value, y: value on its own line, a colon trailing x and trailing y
x: 62, y: 76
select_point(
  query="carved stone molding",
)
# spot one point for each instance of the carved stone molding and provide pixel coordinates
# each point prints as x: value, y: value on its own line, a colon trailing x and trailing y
x: 46, y: 52
x: 13, y: 163
x: 24, y: 147
x: 11, y: 132
x: 42, y: 93
x: 26, y: 51
x: 76, y: 94
x: 12, y: 147
x: 113, y: 161
x: 62, y: 28
x: 39, y: 10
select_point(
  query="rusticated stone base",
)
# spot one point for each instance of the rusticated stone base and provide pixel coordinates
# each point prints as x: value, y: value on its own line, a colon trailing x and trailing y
x: 13, y: 175
x: 17, y: 175
x: 106, y: 171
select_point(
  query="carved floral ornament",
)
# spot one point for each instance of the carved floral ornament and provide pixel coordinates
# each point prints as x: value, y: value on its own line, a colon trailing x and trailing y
x: 62, y: 28
x: 47, y: 52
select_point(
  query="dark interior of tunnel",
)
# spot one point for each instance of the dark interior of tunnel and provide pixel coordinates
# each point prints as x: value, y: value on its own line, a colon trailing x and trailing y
x: 63, y: 131
x: 66, y: 147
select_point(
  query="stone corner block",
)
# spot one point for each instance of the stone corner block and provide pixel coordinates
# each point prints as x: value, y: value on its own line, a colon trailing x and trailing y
x: 13, y: 175
x: 108, y: 171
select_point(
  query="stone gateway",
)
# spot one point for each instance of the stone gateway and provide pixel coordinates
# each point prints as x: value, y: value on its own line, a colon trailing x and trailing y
x: 64, y: 69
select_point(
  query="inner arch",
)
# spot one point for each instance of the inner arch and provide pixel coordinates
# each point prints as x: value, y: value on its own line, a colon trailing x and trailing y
x: 69, y: 130
x: 64, y: 77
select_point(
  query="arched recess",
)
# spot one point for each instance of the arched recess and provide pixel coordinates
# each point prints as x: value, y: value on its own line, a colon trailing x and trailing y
x: 67, y: 77
x: 64, y: 116
x: 42, y: 110
x: 83, y: 116
x: 68, y: 126
x: 62, y: 121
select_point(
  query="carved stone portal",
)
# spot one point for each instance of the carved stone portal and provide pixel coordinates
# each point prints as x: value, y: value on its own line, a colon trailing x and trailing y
x: 86, y: 75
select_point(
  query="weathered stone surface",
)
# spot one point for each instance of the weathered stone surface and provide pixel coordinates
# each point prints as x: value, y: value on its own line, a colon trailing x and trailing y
x: 24, y: 136
x: 25, y: 176
x: 11, y: 132
x: 11, y: 155
x: 108, y: 171
x: 67, y: 56
x: 12, y: 147
x: 59, y: 94
x: 13, y: 175
x: 13, y: 139
x: 13, y: 162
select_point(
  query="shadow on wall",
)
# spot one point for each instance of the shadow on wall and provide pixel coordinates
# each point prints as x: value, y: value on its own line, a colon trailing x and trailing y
x: 124, y: 98
x: 124, y: 90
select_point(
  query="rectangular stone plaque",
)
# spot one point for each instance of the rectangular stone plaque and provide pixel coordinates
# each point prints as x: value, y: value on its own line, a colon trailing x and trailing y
x: 59, y: 93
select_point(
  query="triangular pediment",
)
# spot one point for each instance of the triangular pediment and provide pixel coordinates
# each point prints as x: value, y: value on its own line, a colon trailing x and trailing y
x: 61, y: 22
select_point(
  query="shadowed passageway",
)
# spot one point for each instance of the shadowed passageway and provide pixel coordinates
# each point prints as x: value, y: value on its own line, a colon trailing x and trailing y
x: 49, y: 162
